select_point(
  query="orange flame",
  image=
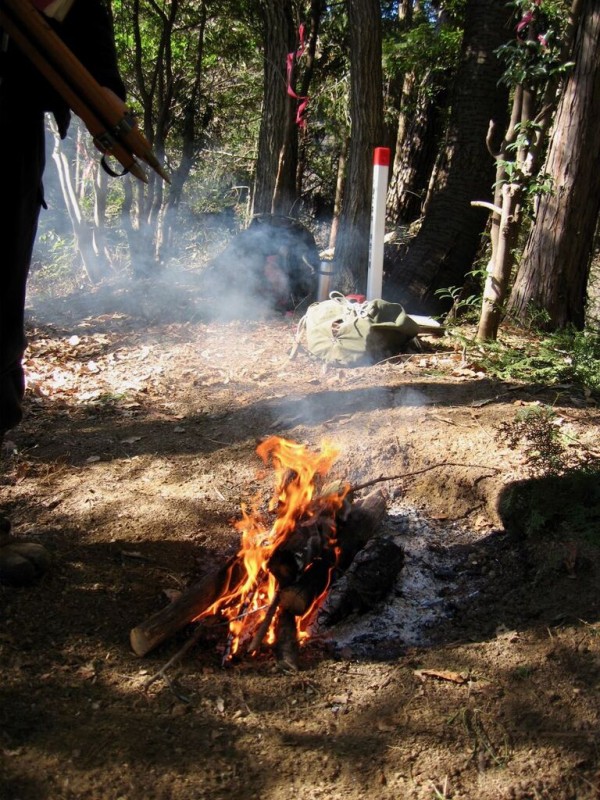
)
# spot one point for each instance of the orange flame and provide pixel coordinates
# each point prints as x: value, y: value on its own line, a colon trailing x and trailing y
x: 297, y: 505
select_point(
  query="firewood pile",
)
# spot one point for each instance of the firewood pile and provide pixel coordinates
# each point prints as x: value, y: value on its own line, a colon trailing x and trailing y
x: 310, y: 561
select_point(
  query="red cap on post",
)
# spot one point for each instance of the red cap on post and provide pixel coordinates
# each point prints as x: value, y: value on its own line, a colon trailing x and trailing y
x: 381, y: 157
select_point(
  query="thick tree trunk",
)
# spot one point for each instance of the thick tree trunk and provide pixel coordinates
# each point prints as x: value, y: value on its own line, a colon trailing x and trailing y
x: 279, y: 37
x: 555, y: 264
x: 366, y: 113
x: 443, y: 251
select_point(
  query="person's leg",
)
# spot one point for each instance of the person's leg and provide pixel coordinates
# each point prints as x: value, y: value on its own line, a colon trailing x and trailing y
x: 22, y: 146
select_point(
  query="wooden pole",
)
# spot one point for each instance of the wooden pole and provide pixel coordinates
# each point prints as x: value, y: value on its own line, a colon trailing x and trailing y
x: 114, y: 131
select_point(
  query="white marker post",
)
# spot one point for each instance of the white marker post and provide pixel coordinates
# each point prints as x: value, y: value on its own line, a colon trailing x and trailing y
x: 381, y: 163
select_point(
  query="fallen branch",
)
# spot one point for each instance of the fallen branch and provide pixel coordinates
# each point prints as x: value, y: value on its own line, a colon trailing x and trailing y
x: 412, y: 474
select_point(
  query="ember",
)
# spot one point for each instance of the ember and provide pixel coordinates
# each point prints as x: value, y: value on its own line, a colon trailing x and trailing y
x: 286, y: 564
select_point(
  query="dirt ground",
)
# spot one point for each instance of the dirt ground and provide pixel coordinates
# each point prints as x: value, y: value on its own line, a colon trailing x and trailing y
x: 136, y: 453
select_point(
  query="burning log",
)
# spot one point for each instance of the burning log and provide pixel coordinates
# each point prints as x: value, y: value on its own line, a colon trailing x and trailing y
x: 356, y: 526
x: 299, y: 597
x: 302, y: 565
x: 286, y: 641
x: 189, y: 606
x: 264, y: 625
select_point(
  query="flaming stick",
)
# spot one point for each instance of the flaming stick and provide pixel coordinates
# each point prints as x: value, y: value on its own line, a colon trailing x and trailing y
x: 114, y: 131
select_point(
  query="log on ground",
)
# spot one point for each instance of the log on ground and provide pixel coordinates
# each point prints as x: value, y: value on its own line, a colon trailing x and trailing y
x: 189, y: 606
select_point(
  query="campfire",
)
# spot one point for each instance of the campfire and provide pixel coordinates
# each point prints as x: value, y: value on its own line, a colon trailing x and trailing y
x: 291, y: 552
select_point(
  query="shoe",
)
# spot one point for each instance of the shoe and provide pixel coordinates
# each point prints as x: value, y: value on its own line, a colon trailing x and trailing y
x: 22, y: 563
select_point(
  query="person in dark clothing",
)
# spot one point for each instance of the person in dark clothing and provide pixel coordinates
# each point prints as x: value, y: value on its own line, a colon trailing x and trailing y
x: 25, y: 97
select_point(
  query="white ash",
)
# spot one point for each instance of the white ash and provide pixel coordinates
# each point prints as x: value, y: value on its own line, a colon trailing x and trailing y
x: 430, y: 587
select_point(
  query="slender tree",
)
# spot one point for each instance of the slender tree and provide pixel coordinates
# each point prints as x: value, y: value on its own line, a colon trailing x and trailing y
x: 536, y: 62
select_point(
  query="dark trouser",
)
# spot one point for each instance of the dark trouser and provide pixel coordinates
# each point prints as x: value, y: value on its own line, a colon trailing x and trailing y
x: 23, y: 156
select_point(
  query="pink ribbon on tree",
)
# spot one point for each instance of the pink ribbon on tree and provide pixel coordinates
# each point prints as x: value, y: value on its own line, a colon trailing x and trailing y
x: 527, y: 17
x: 292, y: 58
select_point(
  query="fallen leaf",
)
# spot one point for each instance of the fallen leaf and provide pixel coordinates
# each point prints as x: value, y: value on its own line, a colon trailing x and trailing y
x: 443, y: 675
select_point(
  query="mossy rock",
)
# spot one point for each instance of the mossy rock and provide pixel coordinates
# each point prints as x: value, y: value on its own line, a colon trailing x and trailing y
x: 559, y: 506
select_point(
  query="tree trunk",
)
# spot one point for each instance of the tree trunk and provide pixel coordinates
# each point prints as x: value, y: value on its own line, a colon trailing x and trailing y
x: 443, y: 251
x: 339, y: 192
x: 418, y: 138
x: 279, y: 37
x: 99, y: 231
x: 366, y: 115
x: 496, y: 284
x: 556, y: 260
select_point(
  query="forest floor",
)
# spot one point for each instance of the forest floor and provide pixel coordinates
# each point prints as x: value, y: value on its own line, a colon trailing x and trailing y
x: 477, y: 679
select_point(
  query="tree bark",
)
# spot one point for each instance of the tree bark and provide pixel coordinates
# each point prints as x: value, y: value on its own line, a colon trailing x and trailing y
x: 555, y: 264
x: 443, y: 251
x: 340, y: 184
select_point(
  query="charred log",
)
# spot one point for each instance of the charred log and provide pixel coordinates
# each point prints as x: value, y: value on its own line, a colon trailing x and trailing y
x: 359, y: 525
x: 299, y: 597
x: 367, y: 581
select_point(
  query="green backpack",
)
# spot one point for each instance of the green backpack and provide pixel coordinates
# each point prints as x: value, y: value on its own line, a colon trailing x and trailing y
x: 348, y: 333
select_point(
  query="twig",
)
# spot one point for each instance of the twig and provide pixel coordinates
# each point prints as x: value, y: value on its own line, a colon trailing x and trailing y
x: 382, y: 478
x: 243, y: 612
x: 188, y: 646
x: 484, y: 204
x: 174, y: 659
